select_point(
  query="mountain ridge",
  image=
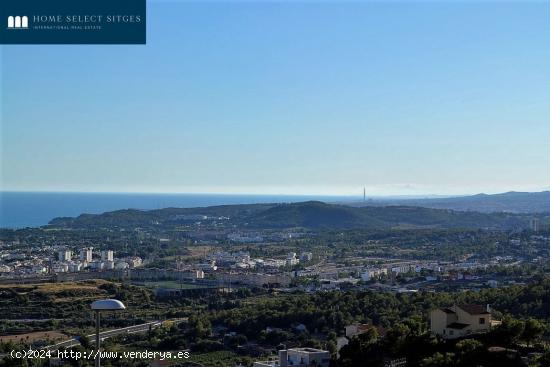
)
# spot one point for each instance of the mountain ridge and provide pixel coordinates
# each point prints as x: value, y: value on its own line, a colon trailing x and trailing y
x: 309, y: 214
x: 507, y: 202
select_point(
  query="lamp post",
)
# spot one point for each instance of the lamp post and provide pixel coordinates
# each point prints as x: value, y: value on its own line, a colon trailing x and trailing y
x: 98, y: 306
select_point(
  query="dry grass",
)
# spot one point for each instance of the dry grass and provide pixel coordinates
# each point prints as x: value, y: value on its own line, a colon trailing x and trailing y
x: 55, y: 288
x: 34, y: 336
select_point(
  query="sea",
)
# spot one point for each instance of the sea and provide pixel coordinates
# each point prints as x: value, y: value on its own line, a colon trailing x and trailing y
x: 34, y: 209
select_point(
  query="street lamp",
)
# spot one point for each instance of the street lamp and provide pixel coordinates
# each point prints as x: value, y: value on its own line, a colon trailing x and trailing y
x: 103, y: 305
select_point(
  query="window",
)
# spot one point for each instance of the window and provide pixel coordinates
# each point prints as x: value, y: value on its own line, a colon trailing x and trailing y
x: 482, y: 320
x: 451, y: 332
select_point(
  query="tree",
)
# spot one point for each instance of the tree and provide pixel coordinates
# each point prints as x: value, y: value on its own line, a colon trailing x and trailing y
x: 361, y: 348
x: 85, y: 342
x: 510, y: 330
x: 544, y: 361
x: 532, y: 330
x: 439, y: 360
x: 396, y: 337
x: 469, y: 351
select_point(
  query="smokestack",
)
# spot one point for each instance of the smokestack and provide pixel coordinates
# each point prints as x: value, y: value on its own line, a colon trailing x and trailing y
x: 364, y: 194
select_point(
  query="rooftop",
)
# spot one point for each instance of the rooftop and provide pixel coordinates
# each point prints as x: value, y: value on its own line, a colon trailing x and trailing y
x: 308, y: 350
x: 475, y: 309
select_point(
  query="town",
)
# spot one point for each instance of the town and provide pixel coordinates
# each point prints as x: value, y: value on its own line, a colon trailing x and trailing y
x: 179, y: 263
x: 211, y: 255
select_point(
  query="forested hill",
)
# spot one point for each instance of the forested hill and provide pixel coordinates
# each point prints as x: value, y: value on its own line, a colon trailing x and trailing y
x: 317, y: 214
x: 311, y: 214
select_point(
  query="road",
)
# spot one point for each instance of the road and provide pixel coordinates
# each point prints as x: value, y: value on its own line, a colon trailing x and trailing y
x: 107, y: 334
x: 110, y: 333
x: 104, y: 335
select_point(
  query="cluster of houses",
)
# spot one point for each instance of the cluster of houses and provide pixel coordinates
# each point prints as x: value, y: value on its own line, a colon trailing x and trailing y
x: 63, y: 260
x: 69, y: 262
x: 452, y: 322
x: 242, y: 260
x: 257, y: 237
x: 375, y: 273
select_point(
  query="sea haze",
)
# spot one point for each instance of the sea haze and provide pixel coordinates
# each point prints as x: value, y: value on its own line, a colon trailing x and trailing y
x: 32, y: 209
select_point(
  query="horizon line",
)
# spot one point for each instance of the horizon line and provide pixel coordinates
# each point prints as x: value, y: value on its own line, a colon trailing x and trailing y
x: 412, y: 195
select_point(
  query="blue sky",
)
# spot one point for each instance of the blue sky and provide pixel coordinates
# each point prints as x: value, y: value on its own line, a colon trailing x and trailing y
x: 289, y: 98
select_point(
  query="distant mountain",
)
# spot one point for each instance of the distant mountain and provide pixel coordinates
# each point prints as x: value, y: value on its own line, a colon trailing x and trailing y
x: 321, y: 215
x: 310, y: 214
x: 168, y: 216
x: 511, y: 202
x: 314, y: 214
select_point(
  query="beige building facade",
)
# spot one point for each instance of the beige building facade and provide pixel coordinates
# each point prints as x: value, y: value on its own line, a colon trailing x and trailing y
x: 460, y: 320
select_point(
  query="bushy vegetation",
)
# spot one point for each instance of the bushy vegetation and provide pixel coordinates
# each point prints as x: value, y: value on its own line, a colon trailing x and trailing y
x: 224, y: 329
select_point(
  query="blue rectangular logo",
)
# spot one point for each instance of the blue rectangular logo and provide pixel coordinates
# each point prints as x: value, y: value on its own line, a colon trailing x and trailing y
x: 72, y: 22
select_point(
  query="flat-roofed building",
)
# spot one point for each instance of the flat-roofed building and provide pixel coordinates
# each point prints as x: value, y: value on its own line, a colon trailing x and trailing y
x: 64, y: 255
x: 86, y: 254
x: 107, y: 255
x: 298, y: 357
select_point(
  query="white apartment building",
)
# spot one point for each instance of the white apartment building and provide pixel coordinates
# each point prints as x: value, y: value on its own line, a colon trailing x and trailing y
x: 107, y: 255
x: 402, y: 269
x: 373, y: 273
x: 64, y: 255
x: 291, y: 259
x: 86, y: 254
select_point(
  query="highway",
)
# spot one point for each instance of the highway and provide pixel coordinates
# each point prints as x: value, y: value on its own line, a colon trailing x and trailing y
x: 103, y: 335
x: 107, y: 334
x: 110, y: 333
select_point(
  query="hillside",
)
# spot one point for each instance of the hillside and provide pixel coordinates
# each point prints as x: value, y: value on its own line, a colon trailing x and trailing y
x: 321, y: 215
x: 144, y: 218
x: 311, y: 214
x: 510, y: 202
